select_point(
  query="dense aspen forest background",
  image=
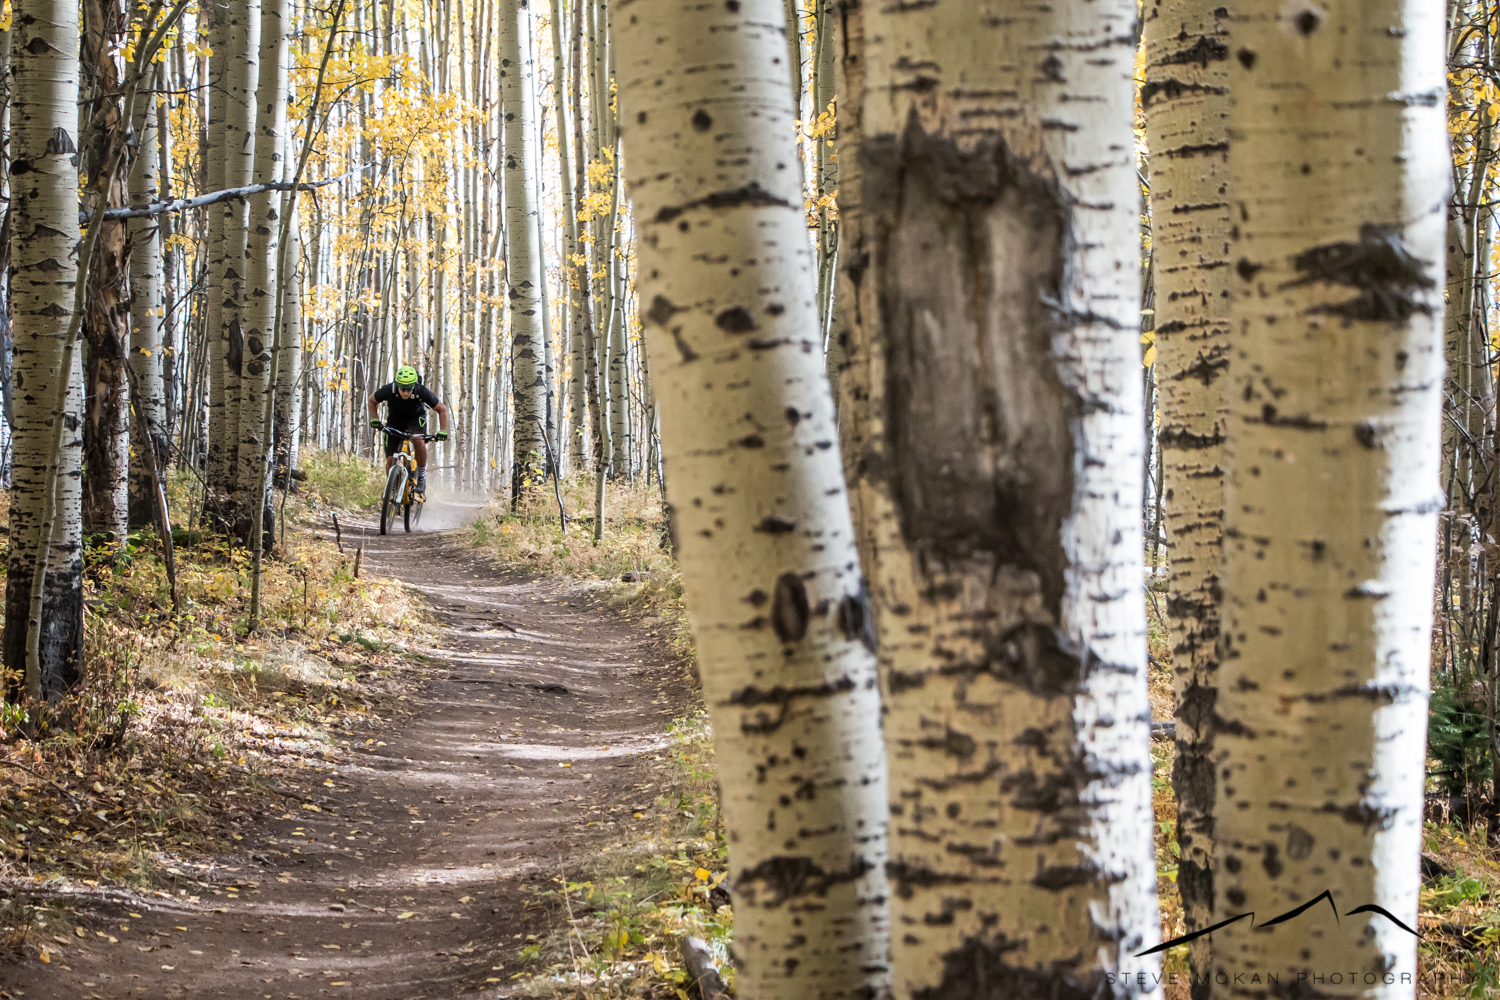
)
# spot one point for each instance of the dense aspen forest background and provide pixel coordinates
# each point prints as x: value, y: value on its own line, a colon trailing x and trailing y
x: 228, y: 224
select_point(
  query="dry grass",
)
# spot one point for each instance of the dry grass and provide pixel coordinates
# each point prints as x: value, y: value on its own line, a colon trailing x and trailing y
x: 530, y: 537
x: 621, y: 918
x: 185, y: 722
x: 632, y: 563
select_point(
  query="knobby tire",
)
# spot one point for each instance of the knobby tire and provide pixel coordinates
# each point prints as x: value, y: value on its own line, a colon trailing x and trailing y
x: 392, y: 499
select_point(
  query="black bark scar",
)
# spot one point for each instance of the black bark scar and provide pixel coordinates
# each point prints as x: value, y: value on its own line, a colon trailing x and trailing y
x: 781, y: 697
x: 789, y: 877
x: 1389, y: 277
x: 751, y: 194
x: 981, y: 427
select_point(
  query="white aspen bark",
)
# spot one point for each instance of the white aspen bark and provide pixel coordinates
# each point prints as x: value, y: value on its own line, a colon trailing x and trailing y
x: 237, y: 137
x: 523, y: 276
x: 1186, y: 104
x: 258, y: 307
x: 287, y: 430
x: 619, y: 383
x: 727, y: 286
x: 995, y: 270
x: 173, y: 330
x: 221, y: 441
x: 149, y: 437
x: 1339, y: 179
x: 584, y: 318
x: 44, y: 238
x: 567, y: 276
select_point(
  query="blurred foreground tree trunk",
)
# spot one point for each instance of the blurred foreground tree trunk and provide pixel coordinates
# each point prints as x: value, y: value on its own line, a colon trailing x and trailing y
x: 728, y: 292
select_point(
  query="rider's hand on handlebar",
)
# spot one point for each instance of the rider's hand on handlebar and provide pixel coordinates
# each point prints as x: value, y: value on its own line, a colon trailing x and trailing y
x: 375, y: 422
x: 440, y: 436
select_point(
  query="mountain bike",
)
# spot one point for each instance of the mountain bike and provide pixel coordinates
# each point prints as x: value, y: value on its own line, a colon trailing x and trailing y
x: 400, y: 485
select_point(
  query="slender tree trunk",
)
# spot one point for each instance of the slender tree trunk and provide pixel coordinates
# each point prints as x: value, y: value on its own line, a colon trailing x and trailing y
x: 619, y: 381
x: 107, y: 321
x: 221, y: 453
x: 149, y: 436
x: 44, y: 237
x: 1339, y: 183
x: 258, y: 313
x: 522, y: 260
x: 237, y: 140
x: 994, y: 275
x: 585, y: 317
x: 768, y: 561
x: 1186, y: 103
x: 825, y: 90
x: 287, y: 432
x: 7, y: 384
x: 859, y: 396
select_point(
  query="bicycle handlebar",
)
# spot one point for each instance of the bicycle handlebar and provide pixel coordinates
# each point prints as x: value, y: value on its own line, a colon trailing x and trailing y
x: 386, y: 428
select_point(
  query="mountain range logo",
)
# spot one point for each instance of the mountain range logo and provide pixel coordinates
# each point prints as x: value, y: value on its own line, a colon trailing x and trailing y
x: 1288, y: 915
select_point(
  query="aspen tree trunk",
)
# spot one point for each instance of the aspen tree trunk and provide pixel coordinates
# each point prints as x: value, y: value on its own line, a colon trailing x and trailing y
x: 237, y: 139
x: 171, y: 311
x: 794, y: 54
x: 860, y: 395
x: 601, y: 110
x: 44, y: 237
x: 585, y: 316
x: 993, y: 279
x: 106, y: 321
x: 1186, y: 104
x: 566, y: 270
x: 150, y: 440
x: 7, y: 397
x: 766, y: 550
x: 258, y: 312
x: 222, y: 443
x: 288, y: 427
x: 825, y: 88
x: 619, y: 384
x: 1339, y: 179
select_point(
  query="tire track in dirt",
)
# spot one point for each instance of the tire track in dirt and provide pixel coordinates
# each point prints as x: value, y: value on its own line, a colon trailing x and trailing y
x: 533, y: 748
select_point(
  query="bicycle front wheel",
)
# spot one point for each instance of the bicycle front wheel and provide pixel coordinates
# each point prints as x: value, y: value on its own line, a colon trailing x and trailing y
x: 395, y: 484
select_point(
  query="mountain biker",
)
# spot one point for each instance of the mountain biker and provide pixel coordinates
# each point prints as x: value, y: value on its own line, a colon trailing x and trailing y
x: 406, y: 401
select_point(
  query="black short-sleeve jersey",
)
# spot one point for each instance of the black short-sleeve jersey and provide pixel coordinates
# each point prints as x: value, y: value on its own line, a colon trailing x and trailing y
x: 405, y: 414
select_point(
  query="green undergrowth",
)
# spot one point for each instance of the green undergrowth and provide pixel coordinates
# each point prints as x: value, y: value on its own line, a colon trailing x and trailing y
x: 621, y: 918
x: 339, y: 479
x: 1459, y: 916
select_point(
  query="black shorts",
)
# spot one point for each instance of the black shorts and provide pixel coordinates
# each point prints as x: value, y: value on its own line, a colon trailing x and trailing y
x: 393, y: 441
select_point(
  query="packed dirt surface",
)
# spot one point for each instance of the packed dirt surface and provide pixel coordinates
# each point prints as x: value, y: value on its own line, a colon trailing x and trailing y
x: 411, y: 876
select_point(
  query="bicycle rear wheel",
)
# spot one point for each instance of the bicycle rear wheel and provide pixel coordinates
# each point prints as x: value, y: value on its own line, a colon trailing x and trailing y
x: 395, y: 483
x: 413, y: 514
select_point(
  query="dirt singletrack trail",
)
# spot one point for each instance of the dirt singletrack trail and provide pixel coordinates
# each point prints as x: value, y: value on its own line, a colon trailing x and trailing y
x: 533, y: 749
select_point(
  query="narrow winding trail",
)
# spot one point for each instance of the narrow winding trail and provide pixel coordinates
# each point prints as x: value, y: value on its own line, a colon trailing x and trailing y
x: 534, y: 747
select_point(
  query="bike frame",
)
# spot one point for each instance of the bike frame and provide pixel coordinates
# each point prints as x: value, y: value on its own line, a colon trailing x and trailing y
x: 401, y: 489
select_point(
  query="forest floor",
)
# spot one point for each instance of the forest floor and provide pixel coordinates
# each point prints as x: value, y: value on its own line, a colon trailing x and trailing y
x: 476, y: 768
x: 426, y: 860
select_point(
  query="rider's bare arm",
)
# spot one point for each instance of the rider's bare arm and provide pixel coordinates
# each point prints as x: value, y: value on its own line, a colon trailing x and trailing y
x: 442, y: 412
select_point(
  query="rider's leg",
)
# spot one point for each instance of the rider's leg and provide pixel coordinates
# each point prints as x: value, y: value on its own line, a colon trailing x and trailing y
x: 420, y: 447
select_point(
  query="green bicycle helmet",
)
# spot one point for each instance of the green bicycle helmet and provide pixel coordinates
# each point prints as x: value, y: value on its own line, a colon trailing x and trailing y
x: 406, y: 376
